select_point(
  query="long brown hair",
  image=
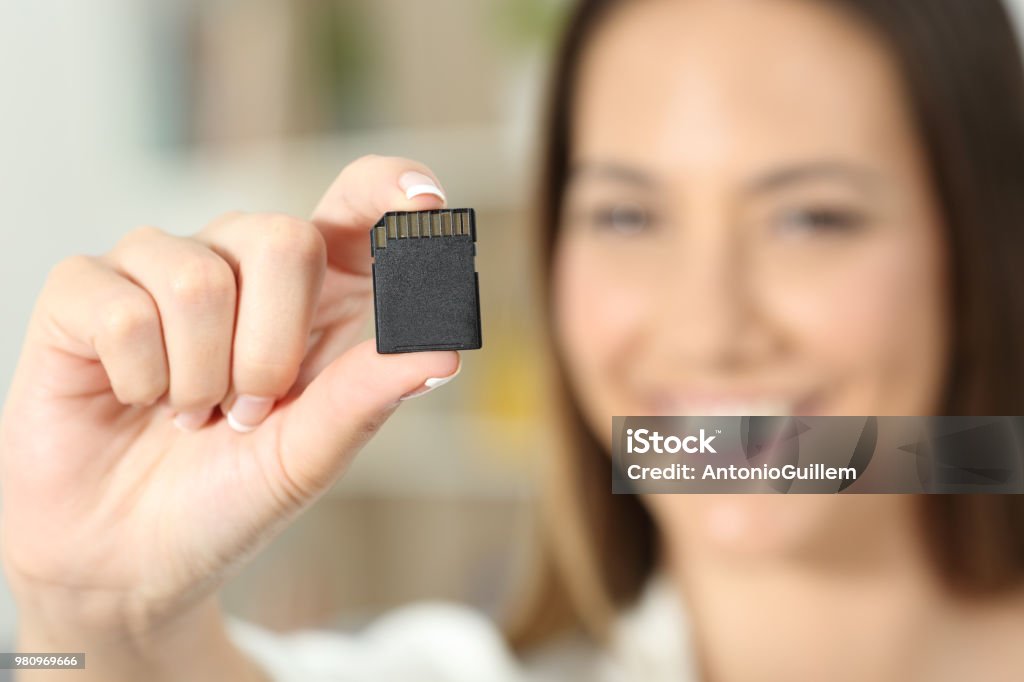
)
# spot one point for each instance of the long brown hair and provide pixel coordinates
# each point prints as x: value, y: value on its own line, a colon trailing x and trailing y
x: 963, y: 76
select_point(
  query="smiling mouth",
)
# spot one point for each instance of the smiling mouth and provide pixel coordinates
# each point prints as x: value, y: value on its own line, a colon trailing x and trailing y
x: 725, y: 405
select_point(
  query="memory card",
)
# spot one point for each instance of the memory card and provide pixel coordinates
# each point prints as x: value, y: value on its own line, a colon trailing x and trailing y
x: 426, y: 291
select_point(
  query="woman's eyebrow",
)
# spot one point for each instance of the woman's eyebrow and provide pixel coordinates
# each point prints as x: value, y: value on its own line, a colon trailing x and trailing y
x: 813, y: 170
x: 609, y: 170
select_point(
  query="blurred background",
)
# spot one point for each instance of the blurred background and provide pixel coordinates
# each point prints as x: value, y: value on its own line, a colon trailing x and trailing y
x: 118, y: 113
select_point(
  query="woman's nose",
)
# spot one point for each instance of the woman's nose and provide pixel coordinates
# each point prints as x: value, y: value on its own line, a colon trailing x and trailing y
x: 705, y: 309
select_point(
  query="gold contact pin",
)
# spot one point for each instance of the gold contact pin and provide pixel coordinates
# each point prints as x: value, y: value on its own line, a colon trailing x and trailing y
x: 422, y: 224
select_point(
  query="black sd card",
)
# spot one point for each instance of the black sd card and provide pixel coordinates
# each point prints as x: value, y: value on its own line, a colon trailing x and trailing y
x: 426, y: 295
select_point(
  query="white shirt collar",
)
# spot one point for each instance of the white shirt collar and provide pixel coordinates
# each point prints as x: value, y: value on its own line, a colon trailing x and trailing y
x: 651, y: 641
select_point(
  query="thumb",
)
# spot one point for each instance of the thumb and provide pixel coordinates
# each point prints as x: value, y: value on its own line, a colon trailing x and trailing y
x: 344, y: 407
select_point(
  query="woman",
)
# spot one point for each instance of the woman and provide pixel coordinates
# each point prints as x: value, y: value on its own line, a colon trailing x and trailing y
x: 783, y: 206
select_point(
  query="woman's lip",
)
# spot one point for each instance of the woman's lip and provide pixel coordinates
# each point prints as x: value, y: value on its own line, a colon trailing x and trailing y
x: 738, y: 405
x: 809, y: 407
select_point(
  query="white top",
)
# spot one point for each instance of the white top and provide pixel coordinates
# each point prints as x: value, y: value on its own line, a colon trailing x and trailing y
x: 435, y: 642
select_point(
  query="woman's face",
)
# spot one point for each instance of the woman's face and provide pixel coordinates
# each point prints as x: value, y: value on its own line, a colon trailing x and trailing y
x: 749, y: 230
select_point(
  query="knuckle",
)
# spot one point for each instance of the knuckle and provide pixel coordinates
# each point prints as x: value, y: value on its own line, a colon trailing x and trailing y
x: 289, y: 487
x: 69, y: 268
x: 365, y: 159
x: 139, y: 234
x: 126, y: 317
x: 223, y: 220
x: 229, y: 216
x: 289, y: 237
x: 202, y: 280
x: 361, y: 164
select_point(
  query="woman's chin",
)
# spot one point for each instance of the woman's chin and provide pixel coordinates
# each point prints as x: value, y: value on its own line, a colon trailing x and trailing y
x: 749, y: 525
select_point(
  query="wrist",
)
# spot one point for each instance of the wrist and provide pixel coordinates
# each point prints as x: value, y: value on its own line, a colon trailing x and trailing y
x: 193, y: 646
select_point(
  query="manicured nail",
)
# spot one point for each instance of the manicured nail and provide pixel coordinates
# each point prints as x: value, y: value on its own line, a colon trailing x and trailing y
x: 248, y: 412
x: 192, y: 421
x: 416, y: 184
x: 432, y: 383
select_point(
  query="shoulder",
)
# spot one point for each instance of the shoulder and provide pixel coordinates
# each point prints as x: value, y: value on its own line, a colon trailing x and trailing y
x: 428, y: 641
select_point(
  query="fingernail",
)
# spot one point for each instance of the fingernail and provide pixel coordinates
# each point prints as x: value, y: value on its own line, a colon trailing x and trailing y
x: 192, y: 421
x: 248, y: 412
x: 432, y: 383
x: 416, y: 184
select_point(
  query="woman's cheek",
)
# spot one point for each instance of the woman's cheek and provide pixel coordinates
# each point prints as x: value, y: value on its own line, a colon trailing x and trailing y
x: 600, y: 313
x: 868, y: 327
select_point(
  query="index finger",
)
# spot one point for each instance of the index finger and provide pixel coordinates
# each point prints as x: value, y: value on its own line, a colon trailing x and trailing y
x: 365, y: 190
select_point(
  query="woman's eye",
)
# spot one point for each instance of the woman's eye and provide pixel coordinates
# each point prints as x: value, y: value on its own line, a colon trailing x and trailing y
x: 621, y: 219
x: 821, y: 220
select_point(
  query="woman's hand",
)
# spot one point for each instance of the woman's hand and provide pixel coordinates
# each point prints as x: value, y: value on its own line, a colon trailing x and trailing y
x: 127, y: 495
